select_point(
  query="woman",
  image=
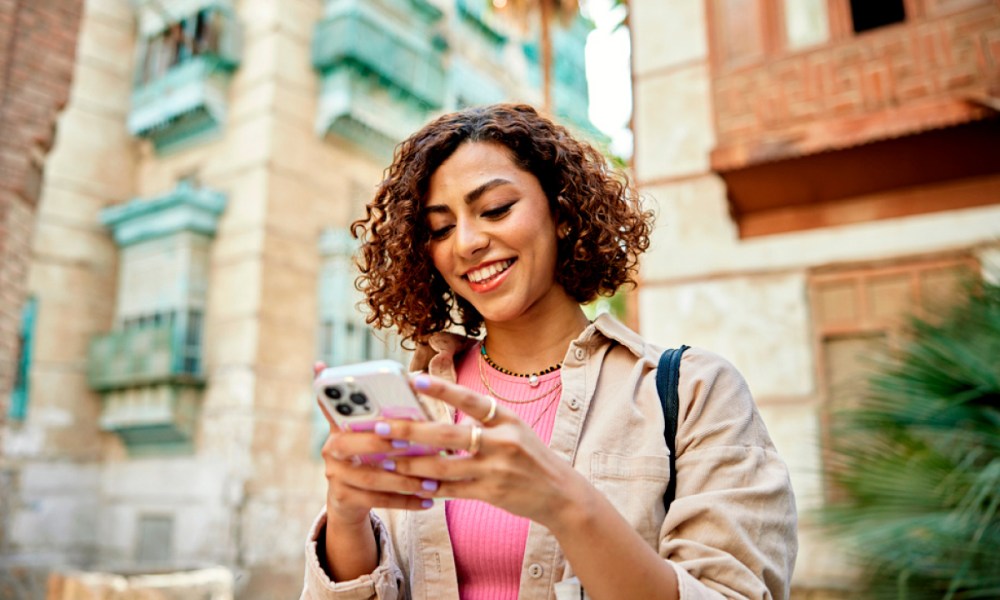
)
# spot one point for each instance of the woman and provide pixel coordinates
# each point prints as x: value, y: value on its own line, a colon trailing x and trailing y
x: 495, y: 220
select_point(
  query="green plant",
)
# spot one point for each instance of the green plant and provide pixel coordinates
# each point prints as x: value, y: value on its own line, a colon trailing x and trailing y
x: 918, y: 461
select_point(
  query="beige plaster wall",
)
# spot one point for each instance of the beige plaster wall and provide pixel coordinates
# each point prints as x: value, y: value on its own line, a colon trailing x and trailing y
x: 758, y: 322
x: 200, y: 495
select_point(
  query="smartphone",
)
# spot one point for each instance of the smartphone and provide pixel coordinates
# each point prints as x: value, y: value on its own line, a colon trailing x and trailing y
x: 358, y: 396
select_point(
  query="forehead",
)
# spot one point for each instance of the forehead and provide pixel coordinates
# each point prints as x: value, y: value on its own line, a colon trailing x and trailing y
x: 472, y: 164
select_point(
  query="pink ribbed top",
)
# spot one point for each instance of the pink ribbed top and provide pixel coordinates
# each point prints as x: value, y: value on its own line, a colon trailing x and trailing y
x: 489, y: 542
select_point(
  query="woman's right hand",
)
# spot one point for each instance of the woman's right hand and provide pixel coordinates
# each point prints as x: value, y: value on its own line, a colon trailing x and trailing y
x: 354, y: 487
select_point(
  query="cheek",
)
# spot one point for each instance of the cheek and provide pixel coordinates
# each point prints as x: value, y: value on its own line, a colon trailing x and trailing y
x: 439, y: 258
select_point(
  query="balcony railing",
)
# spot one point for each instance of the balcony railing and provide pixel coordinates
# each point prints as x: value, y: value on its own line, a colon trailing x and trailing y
x: 164, y: 352
x: 186, y: 103
x: 362, y: 40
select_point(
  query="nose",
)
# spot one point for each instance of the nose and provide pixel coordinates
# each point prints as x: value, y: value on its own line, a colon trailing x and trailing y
x: 470, y: 238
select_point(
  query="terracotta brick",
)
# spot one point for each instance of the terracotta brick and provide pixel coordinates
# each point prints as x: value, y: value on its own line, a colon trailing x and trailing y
x: 37, y: 48
x: 947, y: 52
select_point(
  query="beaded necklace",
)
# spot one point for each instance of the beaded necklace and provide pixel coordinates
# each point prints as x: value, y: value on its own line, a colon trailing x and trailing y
x: 489, y: 388
x: 531, y: 377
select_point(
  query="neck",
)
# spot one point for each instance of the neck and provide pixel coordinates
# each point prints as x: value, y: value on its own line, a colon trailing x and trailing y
x: 530, y: 345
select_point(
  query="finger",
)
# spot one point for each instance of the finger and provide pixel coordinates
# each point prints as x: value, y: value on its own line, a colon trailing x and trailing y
x: 464, y: 399
x: 318, y: 367
x: 348, y: 445
x: 440, y: 468
x: 381, y: 477
x: 445, y: 436
x: 384, y: 499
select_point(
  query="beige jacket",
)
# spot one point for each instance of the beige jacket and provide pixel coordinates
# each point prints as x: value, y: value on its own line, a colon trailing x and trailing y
x: 730, y: 533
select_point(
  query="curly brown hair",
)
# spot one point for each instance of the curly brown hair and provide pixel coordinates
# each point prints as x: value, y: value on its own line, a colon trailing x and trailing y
x: 608, y: 227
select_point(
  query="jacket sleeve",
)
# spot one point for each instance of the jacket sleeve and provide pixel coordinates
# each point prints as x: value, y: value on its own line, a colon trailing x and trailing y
x: 731, y: 530
x: 385, y: 582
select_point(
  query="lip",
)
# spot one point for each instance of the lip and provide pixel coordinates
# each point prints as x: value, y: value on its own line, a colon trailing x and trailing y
x: 491, y: 284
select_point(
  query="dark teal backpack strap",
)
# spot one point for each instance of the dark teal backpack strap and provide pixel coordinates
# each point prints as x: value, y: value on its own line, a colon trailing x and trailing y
x: 668, y: 373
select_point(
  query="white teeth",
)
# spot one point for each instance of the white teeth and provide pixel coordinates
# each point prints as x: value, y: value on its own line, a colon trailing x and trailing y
x: 480, y: 275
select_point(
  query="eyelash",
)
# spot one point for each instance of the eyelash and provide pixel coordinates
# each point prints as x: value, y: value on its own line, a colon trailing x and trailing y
x: 498, y: 211
x: 492, y: 214
x: 438, y: 234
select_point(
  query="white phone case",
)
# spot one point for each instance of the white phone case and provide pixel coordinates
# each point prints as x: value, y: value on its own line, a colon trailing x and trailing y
x: 358, y: 396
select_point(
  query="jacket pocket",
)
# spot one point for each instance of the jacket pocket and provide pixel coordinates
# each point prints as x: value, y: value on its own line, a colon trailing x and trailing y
x: 635, y: 486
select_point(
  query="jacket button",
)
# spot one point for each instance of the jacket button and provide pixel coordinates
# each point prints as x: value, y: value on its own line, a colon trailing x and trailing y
x: 574, y: 404
x: 535, y: 570
x: 580, y: 354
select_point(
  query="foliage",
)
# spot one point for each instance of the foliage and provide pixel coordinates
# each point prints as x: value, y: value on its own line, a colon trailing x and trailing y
x: 918, y: 461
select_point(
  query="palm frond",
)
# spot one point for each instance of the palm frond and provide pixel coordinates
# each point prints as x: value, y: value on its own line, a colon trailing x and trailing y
x: 918, y: 461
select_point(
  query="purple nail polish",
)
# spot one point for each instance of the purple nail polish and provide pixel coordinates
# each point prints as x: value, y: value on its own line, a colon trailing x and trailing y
x: 400, y: 444
x: 421, y: 382
x: 430, y: 485
x: 389, y: 464
x: 382, y: 428
x: 427, y: 503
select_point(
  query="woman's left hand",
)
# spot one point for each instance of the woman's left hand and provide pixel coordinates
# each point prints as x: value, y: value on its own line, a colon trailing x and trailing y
x: 511, y: 468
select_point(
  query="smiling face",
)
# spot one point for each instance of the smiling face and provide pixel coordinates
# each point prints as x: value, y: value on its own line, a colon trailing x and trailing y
x: 492, y: 234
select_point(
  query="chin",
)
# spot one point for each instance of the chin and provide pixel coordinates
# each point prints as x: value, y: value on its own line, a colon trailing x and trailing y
x: 498, y: 314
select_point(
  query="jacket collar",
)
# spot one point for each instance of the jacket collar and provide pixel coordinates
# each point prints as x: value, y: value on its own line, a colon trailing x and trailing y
x: 437, y: 356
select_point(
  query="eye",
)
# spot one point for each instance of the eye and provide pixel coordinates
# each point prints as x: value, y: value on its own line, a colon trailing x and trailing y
x: 498, y: 212
x: 441, y: 232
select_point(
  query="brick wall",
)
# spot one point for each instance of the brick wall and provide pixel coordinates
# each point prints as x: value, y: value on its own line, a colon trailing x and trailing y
x: 37, y: 51
x: 859, y: 88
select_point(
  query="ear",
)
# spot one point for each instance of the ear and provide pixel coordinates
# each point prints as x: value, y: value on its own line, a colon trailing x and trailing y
x: 563, y: 230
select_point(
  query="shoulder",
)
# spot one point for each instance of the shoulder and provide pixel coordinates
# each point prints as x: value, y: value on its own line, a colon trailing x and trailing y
x: 716, y: 405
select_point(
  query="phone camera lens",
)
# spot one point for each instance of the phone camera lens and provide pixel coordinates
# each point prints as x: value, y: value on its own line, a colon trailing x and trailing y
x: 345, y: 409
x: 359, y: 398
x: 332, y: 393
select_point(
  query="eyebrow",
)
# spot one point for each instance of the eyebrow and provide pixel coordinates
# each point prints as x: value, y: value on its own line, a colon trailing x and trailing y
x: 473, y: 195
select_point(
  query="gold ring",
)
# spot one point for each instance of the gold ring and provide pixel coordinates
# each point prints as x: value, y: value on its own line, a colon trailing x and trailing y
x: 493, y: 411
x: 475, y: 440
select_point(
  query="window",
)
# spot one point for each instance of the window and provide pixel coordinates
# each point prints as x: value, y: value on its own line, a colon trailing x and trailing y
x: 184, y: 327
x: 806, y: 23
x: 19, y: 397
x: 345, y: 337
x: 154, y: 545
x: 872, y: 14
x: 201, y: 33
x: 749, y: 32
x: 860, y: 313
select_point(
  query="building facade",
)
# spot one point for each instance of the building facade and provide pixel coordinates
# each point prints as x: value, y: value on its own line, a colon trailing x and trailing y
x: 190, y: 261
x: 821, y: 169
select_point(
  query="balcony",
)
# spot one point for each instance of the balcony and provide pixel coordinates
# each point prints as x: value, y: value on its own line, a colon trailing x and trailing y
x: 150, y: 380
x: 379, y: 80
x: 153, y: 420
x: 182, y: 75
x: 153, y: 354
x: 187, y: 103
